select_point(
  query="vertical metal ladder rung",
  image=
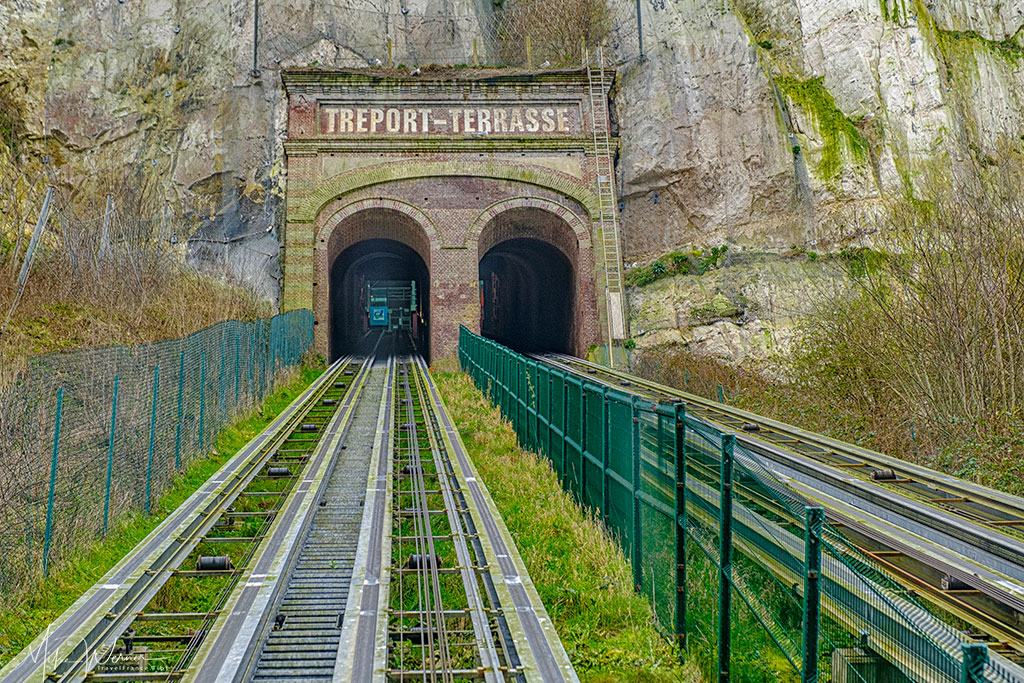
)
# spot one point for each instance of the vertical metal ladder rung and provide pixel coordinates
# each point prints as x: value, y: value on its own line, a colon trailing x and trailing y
x: 607, y: 218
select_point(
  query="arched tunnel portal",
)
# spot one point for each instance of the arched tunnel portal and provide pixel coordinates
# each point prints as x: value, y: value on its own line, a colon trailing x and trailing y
x: 371, y: 246
x: 529, y: 278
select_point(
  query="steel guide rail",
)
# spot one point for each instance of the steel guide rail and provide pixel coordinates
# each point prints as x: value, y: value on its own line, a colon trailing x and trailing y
x: 72, y: 647
x: 543, y: 656
x: 426, y: 609
x: 229, y: 649
x: 471, y: 614
x: 914, y: 542
x: 509, y: 653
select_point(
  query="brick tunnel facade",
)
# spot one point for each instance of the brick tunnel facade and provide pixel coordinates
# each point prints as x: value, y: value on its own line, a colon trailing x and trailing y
x: 499, y: 229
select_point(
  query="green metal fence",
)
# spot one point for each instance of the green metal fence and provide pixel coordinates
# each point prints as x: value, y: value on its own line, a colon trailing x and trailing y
x: 88, y: 436
x: 751, y: 582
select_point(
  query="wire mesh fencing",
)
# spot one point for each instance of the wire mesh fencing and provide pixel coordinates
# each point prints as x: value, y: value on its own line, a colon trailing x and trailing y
x: 750, y: 580
x: 91, y: 436
x: 532, y: 34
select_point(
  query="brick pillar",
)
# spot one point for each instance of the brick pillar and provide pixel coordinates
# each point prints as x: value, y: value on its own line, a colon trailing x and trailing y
x: 298, y: 241
x: 454, y: 299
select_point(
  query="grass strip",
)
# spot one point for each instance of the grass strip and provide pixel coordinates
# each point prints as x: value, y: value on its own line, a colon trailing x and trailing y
x: 20, y: 623
x: 578, y: 569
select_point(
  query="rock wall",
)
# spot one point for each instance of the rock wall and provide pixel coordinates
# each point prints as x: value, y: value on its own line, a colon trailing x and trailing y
x: 771, y: 122
x: 747, y: 310
x: 164, y: 104
x: 758, y: 122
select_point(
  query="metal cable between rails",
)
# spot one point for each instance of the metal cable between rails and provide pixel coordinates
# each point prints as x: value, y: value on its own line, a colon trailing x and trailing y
x: 427, y: 570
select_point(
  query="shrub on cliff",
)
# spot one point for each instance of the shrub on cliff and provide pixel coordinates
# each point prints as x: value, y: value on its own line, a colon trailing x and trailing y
x: 556, y: 29
x: 935, y: 330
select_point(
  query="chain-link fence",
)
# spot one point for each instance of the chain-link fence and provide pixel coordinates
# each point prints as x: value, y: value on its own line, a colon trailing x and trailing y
x: 750, y: 580
x: 90, y: 436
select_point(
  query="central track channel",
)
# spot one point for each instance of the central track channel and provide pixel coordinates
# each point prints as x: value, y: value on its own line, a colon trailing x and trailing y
x: 300, y: 641
x: 445, y: 619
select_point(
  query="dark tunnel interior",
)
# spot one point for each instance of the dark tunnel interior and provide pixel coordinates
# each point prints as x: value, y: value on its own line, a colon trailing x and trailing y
x: 374, y: 259
x: 528, y: 296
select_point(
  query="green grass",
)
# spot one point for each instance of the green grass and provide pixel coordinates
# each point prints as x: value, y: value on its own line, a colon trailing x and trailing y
x: 579, y: 571
x: 22, y: 621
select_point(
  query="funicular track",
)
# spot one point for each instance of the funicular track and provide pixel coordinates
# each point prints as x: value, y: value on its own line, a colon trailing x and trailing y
x: 297, y: 638
x: 351, y: 541
x: 150, y: 615
x: 940, y: 537
x: 439, y: 592
x: 445, y: 618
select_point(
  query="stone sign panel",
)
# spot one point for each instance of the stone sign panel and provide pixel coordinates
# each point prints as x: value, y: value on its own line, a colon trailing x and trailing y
x: 457, y: 119
x: 433, y: 172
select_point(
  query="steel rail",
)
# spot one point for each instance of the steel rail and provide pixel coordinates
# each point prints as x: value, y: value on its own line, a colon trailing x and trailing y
x: 541, y: 653
x: 235, y: 639
x: 950, y: 537
x: 143, y: 589
x: 439, y: 655
x: 484, y: 641
x: 1000, y: 511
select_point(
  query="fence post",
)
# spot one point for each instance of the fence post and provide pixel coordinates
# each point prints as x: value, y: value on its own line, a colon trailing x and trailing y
x: 581, y: 476
x: 725, y: 560
x: 253, y: 394
x: 536, y: 414
x: 681, y: 526
x: 202, y: 395
x: 265, y: 365
x: 177, y: 428
x: 238, y: 376
x: 814, y: 517
x: 686, y: 380
x: 637, y: 549
x: 221, y: 398
x: 53, y: 481
x: 565, y: 428
x: 110, y: 454
x: 152, y: 436
x: 605, y: 454
x: 975, y: 659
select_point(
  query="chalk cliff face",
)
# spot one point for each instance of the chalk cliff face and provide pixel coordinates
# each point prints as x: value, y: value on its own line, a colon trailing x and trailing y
x: 166, y: 98
x: 756, y: 121
x: 750, y: 121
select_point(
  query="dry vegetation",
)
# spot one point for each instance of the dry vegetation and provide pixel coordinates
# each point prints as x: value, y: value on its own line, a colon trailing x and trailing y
x: 926, y: 359
x: 87, y: 290
x: 557, y: 29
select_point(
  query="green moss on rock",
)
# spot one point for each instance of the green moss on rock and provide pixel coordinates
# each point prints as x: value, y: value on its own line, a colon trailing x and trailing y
x: 839, y: 135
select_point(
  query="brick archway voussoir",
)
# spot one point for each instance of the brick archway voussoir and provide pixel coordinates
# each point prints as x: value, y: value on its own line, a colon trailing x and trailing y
x: 332, y: 188
x: 326, y: 225
x: 487, y: 215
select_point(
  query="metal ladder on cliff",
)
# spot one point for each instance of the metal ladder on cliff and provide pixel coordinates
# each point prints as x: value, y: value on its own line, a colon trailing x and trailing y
x: 609, y: 219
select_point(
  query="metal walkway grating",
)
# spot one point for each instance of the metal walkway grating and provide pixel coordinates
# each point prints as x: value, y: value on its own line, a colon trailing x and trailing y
x: 304, y: 647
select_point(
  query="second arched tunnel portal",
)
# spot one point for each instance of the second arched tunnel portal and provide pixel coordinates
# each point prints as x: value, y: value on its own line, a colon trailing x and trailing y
x: 496, y: 227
